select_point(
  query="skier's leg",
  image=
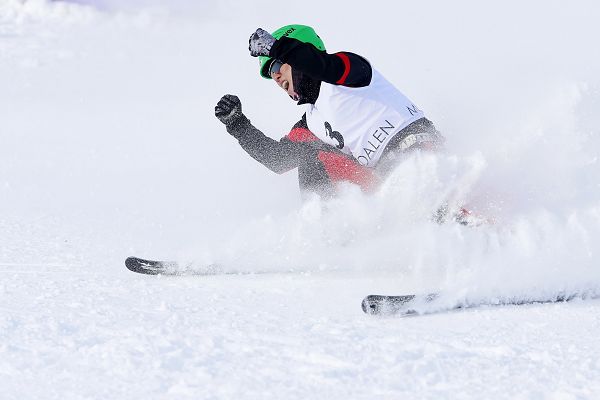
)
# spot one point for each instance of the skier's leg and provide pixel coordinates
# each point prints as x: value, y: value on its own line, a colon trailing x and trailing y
x: 420, y: 135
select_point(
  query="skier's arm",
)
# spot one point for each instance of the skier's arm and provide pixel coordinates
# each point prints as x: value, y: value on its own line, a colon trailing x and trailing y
x: 279, y: 157
x: 343, y: 68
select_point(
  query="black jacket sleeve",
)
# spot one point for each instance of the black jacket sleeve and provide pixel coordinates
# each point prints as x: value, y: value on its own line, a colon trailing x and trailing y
x: 343, y: 68
x: 279, y: 156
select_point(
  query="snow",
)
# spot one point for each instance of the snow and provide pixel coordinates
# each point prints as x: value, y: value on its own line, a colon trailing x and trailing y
x: 109, y: 148
x: 71, y: 334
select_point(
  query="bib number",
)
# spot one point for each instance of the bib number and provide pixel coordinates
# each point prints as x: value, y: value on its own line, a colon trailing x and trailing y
x: 335, y: 135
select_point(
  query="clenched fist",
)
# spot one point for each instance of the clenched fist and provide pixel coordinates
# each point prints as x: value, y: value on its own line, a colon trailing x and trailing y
x: 228, y: 109
x: 260, y: 43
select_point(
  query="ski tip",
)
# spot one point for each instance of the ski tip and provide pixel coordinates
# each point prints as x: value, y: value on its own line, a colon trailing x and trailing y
x: 375, y: 304
x: 130, y: 262
x: 141, y: 266
x: 372, y: 304
x: 369, y: 308
x: 365, y: 306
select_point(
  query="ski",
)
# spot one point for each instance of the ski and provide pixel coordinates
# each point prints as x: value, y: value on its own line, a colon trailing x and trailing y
x: 153, y: 267
x: 406, y: 305
x: 395, y: 305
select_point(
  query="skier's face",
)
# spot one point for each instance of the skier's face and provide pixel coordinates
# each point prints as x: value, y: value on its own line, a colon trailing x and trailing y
x: 284, y: 79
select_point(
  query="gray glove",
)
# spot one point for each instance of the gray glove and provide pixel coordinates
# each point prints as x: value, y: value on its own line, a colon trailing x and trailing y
x: 228, y: 109
x: 260, y: 43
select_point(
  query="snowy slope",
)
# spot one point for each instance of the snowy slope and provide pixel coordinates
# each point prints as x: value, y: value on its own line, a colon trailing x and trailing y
x: 109, y: 148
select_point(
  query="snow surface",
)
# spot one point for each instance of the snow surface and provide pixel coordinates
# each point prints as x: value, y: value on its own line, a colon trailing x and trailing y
x: 109, y: 148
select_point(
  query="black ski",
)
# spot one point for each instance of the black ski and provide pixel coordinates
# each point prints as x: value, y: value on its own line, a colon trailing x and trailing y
x: 394, y: 305
x: 153, y: 267
x: 433, y: 303
x: 150, y: 267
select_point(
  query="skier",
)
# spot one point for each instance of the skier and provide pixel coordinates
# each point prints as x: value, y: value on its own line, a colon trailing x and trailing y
x: 356, y: 125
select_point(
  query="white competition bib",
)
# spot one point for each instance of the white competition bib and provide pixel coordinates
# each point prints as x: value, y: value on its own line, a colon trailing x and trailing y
x: 361, y: 121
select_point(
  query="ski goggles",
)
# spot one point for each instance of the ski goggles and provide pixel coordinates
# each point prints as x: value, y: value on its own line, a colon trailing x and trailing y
x: 275, y: 67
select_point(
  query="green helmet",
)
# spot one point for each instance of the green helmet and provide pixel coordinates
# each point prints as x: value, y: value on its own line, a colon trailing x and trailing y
x: 303, y: 33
